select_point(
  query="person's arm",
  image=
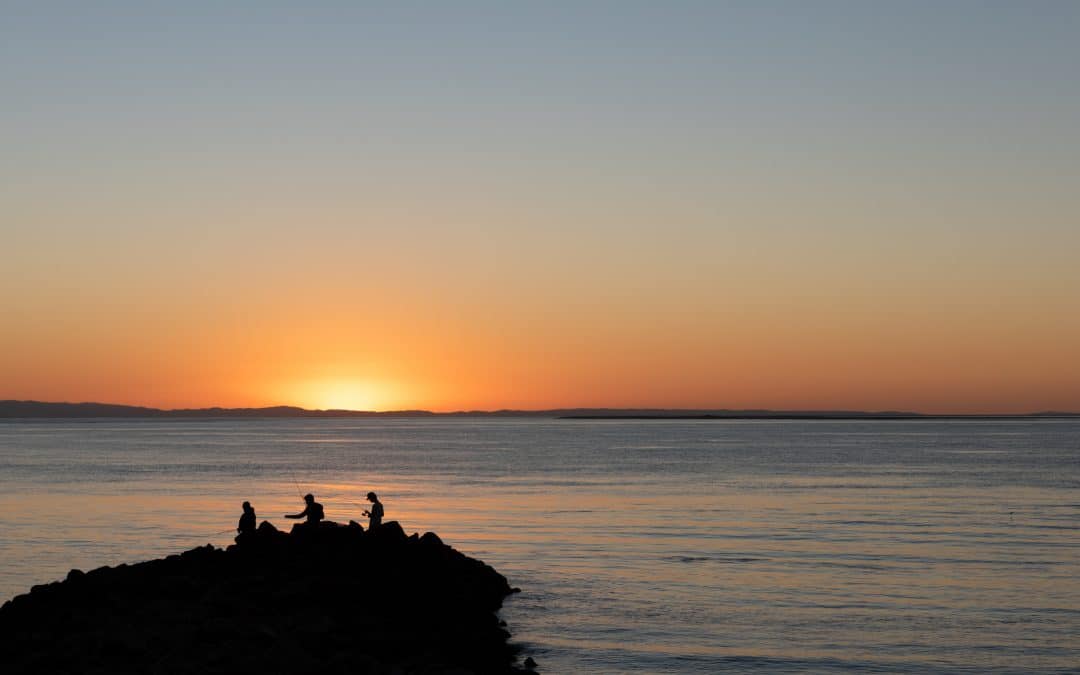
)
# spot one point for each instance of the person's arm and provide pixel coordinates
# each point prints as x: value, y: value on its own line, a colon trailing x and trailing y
x: 299, y: 515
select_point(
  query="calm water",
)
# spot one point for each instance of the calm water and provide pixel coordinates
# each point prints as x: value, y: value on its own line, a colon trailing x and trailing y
x: 647, y: 547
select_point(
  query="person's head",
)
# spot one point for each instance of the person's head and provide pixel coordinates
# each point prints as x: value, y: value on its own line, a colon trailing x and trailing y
x: 371, y: 497
x: 247, y: 506
x: 309, y: 498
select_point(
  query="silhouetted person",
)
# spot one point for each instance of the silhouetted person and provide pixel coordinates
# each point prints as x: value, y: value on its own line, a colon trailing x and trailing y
x: 313, y: 512
x: 247, y: 521
x: 375, y: 515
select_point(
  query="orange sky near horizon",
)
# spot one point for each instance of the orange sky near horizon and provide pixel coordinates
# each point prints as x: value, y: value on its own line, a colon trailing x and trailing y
x: 321, y: 303
x: 702, y: 206
x: 315, y: 342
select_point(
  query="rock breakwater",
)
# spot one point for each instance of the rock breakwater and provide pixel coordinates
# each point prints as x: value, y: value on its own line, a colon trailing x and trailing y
x: 326, y: 599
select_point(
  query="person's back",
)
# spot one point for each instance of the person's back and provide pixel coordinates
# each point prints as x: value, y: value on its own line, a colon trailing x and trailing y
x: 315, y: 513
x: 247, y: 521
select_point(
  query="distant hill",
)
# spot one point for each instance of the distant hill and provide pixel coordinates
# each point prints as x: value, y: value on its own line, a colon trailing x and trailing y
x: 39, y: 409
x: 44, y: 410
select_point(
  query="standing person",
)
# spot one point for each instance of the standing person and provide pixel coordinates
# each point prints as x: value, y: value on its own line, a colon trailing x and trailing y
x: 375, y: 515
x: 313, y: 512
x: 247, y: 521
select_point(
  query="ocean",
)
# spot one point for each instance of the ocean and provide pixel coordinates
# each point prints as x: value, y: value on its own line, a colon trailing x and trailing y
x: 640, y: 546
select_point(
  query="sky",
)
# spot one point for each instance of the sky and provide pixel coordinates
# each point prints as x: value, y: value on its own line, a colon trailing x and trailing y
x: 794, y: 205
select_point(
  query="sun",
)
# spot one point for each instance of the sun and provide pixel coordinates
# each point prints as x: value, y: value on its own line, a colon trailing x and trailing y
x: 340, y: 394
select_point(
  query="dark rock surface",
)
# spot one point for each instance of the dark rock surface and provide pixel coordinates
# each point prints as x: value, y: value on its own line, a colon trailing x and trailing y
x: 335, y: 599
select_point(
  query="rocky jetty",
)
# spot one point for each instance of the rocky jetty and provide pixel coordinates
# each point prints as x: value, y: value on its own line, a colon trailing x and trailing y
x: 331, y: 599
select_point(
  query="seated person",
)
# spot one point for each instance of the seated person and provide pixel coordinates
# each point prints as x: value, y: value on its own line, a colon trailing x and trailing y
x: 313, y: 512
x: 247, y: 521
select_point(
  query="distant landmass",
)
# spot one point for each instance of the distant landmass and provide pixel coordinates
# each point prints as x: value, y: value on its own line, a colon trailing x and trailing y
x: 39, y: 410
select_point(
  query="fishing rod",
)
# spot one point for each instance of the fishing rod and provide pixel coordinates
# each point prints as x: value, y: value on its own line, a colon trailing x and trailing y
x: 299, y: 493
x: 297, y: 484
x: 195, y: 535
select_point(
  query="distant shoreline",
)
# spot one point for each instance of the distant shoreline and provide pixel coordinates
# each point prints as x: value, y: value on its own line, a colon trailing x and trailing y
x: 828, y: 417
x: 45, y: 410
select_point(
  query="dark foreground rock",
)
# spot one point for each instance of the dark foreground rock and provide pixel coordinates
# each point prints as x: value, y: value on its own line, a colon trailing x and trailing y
x: 331, y: 600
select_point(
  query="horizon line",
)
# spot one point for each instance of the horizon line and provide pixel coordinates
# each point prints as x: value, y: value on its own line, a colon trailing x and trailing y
x: 595, y: 412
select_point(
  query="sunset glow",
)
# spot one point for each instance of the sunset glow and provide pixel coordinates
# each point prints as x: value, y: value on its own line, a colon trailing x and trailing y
x: 340, y: 394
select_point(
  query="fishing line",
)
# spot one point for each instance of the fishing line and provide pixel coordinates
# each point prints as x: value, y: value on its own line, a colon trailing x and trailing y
x: 297, y: 484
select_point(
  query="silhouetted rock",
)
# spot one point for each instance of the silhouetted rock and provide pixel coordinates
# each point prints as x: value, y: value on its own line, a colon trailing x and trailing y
x: 389, y: 531
x: 431, y: 539
x: 332, y: 599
